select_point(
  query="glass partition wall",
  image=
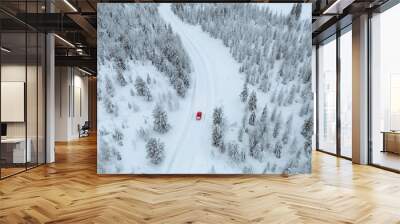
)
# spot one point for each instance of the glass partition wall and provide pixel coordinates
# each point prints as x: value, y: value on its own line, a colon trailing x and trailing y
x: 22, y: 77
x: 327, y: 96
x: 385, y: 89
x: 334, y: 94
x: 345, y: 62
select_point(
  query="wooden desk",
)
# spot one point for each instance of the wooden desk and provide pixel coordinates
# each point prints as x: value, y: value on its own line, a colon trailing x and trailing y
x: 13, y: 150
x: 391, y: 141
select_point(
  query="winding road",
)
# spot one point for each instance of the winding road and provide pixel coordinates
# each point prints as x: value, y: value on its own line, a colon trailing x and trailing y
x: 209, y: 58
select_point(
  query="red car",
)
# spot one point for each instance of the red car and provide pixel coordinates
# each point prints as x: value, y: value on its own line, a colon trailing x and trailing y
x: 198, y: 115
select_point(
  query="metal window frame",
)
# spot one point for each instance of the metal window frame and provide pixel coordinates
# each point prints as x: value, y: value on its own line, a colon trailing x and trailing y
x: 386, y: 6
x: 44, y: 76
x: 338, y: 34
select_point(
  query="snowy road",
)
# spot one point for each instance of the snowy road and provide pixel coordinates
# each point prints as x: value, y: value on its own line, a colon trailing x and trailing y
x: 212, y: 67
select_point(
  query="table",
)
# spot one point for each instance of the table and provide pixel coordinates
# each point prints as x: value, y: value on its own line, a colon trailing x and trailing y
x: 391, y: 141
x: 13, y: 150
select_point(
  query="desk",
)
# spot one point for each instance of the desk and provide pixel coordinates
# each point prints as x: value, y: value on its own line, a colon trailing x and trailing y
x: 391, y: 141
x: 13, y: 150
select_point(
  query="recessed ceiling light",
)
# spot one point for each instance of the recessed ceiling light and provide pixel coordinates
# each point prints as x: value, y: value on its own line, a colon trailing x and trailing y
x: 65, y: 41
x: 337, y: 7
x: 5, y: 50
x: 84, y: 71
x: 70, y: 5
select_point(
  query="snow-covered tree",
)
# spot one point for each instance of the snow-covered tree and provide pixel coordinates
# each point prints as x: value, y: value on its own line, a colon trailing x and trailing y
x: 118, y: 137
x: 141, y: 87
x: 109, y: 153
x: 147, y: 95
x: 235, y: 153
x: 252, y: 103
x: 254, y: 147
x: 288, y: 129
x: 160, y: 122
x: 296, y: 10
x: 278, y: 126
x: 253, y: 138
x: 278, y: 150
x: 252, y: 118
x: 244, y: 93
x: 216, y: 135
x: 121, y: 79
x: 264, y: 115
x: 222, y: 147
x: 155, y: 151
x: 180, y: 87
x: 218, y: 116
x: 148, y: 79
x: 307, y: 129
x: 110, y: 106
x: 240, y: 134
x: 109, y: 87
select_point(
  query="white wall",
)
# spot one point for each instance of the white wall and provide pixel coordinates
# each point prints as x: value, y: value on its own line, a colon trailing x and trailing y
x: 70, y: 83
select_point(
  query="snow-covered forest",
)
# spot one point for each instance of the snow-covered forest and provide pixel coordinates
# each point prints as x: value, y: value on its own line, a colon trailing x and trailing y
x: 244, y: 66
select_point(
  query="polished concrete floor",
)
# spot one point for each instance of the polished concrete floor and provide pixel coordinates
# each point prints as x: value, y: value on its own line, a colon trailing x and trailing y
x: 70, y: 191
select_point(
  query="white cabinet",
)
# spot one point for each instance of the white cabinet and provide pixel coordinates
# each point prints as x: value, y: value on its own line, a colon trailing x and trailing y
x: 19, y: 155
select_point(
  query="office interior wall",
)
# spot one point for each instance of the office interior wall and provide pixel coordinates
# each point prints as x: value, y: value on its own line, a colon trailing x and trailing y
x: 16, y: 73
x: 71, y: 102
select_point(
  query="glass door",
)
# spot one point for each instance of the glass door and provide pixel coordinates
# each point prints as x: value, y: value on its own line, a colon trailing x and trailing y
x: 346, y: 93
x: 14, y: 154
x: 327, y: 96
x: 385, y: 89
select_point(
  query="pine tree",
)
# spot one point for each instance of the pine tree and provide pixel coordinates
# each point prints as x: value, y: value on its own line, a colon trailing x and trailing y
x: 121, y: 79
x: 262, y: 124
x: 234, y: 153
x: 216, y: 135
x: 240, y: 134
x: 160, y: 121
x: 222, y: 147
x: 252, y: 118
x: 118, y: 137
x: 180, y: 88
x: 155, y: 151
x: 254, y: 147
x: 278, y: 150
x: 140, y: 86
x: 264, y: 114
x: 277, y: 127
x: 148, y: 79
x: 148, y: 95
x: 274, y: 114
x: 252, y: 103
x: 110, y: 90
x: 290, y: 98
x: 307, y: 129
x: 218, y: 116
x: 298, y: 10
x: 244, y: 93
x: 288, y: 128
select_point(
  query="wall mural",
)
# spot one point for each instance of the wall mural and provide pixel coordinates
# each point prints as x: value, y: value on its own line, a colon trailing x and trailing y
x: 204, y: 88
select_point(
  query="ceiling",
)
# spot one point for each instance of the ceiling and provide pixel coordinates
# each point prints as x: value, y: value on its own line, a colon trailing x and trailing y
x: 75, y: 21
